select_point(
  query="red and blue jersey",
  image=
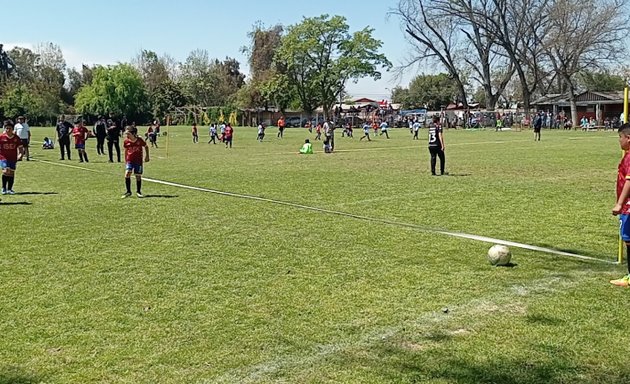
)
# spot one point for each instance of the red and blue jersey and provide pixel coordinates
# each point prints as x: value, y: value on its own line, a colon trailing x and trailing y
x: 623, y: 175
x: 9, y: 147
x: 133, y: 150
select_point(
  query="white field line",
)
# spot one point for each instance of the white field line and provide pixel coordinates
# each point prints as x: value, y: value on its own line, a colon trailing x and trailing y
x: 385, y: 221
x: 425, y: 324
x: 360, y: 217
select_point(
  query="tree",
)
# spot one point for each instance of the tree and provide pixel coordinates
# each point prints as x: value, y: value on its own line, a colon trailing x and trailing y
x: 435, y: 36
x: 195, y: 79
x: 432, y: 91
x: 208, y: 82
x: 18, y: 100
x: 165, y: 98
x: 229, y: 80
x: 400, y: 95
x: 38, y: 82
x: 320, y: 55
x: 582, y: 35
x: 118, y: 89
x: 602, y: 81
x: 153, y: 69
x: 260, y: 55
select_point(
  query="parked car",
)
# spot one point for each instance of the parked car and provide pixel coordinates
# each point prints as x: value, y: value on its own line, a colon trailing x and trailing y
x: 295, y: 121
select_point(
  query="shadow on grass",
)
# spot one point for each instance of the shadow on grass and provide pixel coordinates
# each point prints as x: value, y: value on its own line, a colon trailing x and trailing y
x: 571, y: 250
x: 550, y: 366
x: 15, y: 203
x: 36, y: 193
x: 543, y: 320
x: 508, y: 265
x: 160, y: 196
x: 457, y: 174
x: 12, y: 375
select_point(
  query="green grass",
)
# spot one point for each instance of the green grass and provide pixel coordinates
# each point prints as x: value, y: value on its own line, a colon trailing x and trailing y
x: 188, y: 286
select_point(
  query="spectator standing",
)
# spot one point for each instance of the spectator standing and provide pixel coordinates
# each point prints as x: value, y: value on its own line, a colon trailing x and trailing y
x: 64, y: 130
x: 23, y: 131
x: 113, y: 141
x: 100, y: 131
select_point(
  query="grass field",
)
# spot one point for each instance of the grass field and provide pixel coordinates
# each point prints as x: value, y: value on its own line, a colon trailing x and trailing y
x: 191, y: 286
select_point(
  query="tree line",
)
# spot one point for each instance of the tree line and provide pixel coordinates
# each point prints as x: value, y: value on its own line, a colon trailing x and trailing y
x: 509, y: 50
x: 305, y: 65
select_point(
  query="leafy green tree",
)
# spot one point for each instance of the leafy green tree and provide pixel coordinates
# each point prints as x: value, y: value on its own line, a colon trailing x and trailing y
x: 320, y: 56
x: 18, y: 100
x: 208, y: 82
x: 400, y: 95
x: 601, y: 81
x: 165, y: 98
x: 260, y: 54
x: 229, y: 80
x: 432, y: 91
x: 118, y: 89
x: 153, y: 69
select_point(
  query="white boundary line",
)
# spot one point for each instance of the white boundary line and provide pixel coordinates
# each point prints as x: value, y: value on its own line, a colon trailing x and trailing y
x: 360, y: 217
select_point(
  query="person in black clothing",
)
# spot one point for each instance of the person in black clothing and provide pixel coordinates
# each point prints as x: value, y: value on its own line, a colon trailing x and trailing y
x: 100, y: 131
x: 436, y: 145
x: 537, y: 126
x: 64, y: 130
x: 123, y: 123
x: 113, y: 136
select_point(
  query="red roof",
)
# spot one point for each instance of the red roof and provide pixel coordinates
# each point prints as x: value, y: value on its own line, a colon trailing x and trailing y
x: 364, y: 100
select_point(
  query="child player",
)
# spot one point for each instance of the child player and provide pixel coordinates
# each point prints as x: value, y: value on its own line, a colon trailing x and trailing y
x: 80, y: 134
x: 195, y: 133
x: 10, y: 146
x: 622, y: 207
x: 133, y: 158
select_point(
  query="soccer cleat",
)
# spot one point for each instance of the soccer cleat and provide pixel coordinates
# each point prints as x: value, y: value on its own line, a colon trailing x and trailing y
x: 11, y: 192
x: 140, y: 195
x: 623, y: 282
x: 126, y: 195
x: 4, y: 191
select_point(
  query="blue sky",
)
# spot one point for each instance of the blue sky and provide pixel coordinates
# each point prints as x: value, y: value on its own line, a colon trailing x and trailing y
x: 106, y: 32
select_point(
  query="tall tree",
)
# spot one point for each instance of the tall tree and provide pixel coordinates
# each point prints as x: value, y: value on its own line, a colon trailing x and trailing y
x: 153, y: 69
x: 321, y: 55
x: 196, y: 80
x: 583, y: 35
x: 517, y: 27
x: 118, y: 89
x: 435, y: 35
x: 264, y: 41
x: 432, y: 91
x: 602, y: 81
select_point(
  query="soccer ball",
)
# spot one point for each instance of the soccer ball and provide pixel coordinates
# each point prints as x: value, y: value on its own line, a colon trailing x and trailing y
x: 499, y: 255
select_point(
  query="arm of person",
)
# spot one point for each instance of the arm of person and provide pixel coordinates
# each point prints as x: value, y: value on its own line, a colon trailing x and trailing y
x: 146, y: 150
x: 21, y: 151
x: 625, y: 192
x: 441, y: 137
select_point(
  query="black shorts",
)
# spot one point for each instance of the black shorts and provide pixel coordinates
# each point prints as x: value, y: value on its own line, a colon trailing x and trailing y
x: 25, y: 143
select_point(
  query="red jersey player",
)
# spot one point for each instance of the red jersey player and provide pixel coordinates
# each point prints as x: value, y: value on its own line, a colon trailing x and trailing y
x: 80, y: 134
x: 133, y: 158
x: 622, y: 207
x: 10, y: 146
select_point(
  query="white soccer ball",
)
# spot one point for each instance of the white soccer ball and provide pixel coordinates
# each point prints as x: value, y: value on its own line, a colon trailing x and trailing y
x: 499, y: 255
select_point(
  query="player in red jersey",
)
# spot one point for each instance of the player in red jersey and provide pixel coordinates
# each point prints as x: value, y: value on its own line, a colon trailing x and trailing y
x: 622, y: 207
x: 80, y: 134
x: 228, y: 135
x: 10, y: 146
x: 133, y: 158
x: 195, y: 133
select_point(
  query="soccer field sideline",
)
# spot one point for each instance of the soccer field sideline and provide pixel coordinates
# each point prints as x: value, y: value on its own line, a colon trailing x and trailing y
x: 475, y: 237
